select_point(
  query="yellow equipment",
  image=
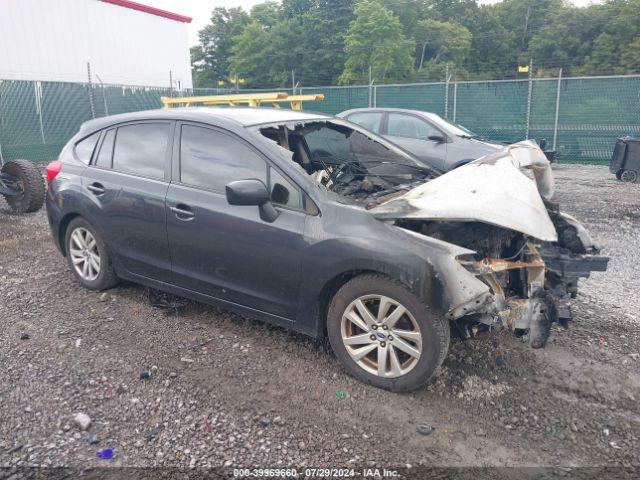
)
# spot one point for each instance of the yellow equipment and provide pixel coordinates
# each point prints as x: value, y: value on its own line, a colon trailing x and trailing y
x: 251, y: 99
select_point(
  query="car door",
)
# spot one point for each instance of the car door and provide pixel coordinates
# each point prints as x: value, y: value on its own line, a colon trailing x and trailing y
x: 412, y: 133
x: 128, y: 182
x: 228, y: 251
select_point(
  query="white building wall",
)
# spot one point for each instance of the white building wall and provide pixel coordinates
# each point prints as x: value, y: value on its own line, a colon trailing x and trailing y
x: 54, y: 39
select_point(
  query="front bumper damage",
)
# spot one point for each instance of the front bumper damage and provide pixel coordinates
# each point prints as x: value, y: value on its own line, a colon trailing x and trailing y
x: 547, y: 280
x: 527, y: 254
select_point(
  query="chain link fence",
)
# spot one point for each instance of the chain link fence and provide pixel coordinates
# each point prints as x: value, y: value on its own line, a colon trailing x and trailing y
x: 580, y: 117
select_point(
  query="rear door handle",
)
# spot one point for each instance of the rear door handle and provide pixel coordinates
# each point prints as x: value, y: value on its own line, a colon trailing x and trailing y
x: 183, y: 212
x: 96, y: 188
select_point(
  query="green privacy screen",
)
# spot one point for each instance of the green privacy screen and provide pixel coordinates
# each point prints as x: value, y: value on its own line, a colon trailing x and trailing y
x: 38, y: 118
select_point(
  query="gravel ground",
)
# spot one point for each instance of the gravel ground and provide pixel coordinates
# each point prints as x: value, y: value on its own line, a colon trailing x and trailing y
x: 225, y: 391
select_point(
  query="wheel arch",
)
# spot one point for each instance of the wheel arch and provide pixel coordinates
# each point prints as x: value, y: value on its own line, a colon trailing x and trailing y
x: 62, y: 230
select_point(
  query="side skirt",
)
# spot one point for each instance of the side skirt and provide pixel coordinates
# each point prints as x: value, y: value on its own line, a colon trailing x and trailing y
x: 217, y: 302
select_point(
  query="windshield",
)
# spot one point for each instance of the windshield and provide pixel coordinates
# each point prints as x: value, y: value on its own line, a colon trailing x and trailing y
x: 452, y: 128
x: 320, y: 144
x: 348, y: 161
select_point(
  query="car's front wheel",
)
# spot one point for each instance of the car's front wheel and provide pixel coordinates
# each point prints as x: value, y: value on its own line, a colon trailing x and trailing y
x: 383, y: 334
x: 88, y: 256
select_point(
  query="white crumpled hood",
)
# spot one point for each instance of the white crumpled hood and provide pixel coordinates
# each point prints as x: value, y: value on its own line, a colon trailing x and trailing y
x: 493, y: 189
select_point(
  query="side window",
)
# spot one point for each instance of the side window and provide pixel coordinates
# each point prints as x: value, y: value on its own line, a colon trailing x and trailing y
x: 401, y: 125
x: 103, y: 158
x: 84, y: 148
x: 283, y: 192
x: 211, y: 159
x: 141, y: 149
x: 369, y: 120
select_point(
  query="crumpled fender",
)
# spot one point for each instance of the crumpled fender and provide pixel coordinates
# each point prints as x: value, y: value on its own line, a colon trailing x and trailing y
x: 493, y: 189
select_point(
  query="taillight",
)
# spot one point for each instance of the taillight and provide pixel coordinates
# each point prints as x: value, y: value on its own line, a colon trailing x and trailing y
x: 52, y: 170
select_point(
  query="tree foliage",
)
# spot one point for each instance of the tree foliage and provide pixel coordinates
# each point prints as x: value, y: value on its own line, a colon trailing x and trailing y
x: 330, y: 41
x: 376, y: 45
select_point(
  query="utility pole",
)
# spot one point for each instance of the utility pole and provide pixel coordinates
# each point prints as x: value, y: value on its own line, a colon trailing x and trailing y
x: 170, y: 83
x: 293, y: 82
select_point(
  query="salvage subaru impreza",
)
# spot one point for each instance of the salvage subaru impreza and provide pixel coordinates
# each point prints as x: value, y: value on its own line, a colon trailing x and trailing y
x: 315, y: 224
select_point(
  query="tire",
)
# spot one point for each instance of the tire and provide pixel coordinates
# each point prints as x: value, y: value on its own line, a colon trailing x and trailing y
x: 32, y: 184
x: 101, y: 278
x: 629, y: 176
x: 411, y: 372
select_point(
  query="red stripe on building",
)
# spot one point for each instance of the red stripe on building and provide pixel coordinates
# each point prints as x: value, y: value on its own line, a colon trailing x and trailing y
x: 151, y: 10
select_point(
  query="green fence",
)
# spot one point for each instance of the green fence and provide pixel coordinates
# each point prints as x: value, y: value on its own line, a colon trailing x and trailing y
x: 581, y: 116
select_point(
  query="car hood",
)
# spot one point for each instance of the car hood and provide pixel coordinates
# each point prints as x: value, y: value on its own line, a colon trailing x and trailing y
x: 505, y: 188
x: 484, y: 145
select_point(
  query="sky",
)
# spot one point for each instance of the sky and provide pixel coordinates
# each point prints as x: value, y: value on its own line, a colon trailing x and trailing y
x: 200, y: 10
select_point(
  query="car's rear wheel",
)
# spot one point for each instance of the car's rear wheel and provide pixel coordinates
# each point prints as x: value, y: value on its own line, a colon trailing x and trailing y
x: 88, y: 256
x: 383, y: 334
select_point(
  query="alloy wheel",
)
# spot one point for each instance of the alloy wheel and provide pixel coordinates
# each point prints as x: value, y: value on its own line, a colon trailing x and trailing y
x: 84, y: 253
x: 381, y: 336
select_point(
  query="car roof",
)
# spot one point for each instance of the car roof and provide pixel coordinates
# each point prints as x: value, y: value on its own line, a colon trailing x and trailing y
x: 376, y: 109
x: 243, y: 116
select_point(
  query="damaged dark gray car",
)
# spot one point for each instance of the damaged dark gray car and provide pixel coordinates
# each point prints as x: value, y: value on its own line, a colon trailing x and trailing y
x: 331, y: 231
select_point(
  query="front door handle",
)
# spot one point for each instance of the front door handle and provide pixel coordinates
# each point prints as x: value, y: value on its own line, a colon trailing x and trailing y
x: 96, y: 188
x: 183, y: 212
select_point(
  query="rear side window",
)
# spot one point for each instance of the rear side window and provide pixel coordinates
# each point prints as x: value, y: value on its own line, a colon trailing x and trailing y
x: 211, y: 159
x: 84, y: 148
x: 401, y: 125
x: 141, y: 149
x: 103, y: 159
x: 369, y: 120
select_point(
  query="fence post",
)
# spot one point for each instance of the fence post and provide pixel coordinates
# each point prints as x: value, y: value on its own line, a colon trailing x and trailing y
x: 526, y: 135
x: 93, y: 109
x: 446, y: 92
x: 37, y: 87
x: 555, y: 123
x: 455, y: 101
x: 375, y: 96
x: 104, y: 96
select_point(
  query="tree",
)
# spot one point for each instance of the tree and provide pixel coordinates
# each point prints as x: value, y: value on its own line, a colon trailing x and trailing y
x: 250, y: 55
x: 567, y: 39
x: 211, y: 57
x: 630, y: 58
x: 330, y: 41
x: 324, y: 28
x: 375, y: 42
x: 267, y: 13
x: 442, y: 42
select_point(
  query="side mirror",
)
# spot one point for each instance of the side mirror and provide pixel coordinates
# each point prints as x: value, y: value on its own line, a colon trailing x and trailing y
x: 252, y: 193
x: 436, y: 138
